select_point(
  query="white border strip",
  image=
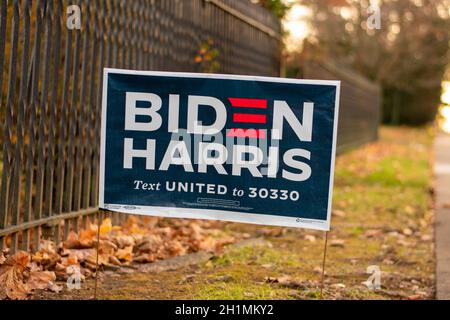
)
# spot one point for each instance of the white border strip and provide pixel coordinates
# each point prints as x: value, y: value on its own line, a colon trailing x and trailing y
x: 213, y: 214
x: 220, y: 76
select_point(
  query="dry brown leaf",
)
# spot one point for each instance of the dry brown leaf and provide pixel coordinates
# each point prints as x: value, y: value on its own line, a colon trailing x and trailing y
x: 40, y: 279
x: 132, y: 226
x: 107, y: 247
x: 125, y: 254
x: 338, y: 213
x: 150, y: 222
x: 73, y: 242
x: 106, y: 226
x: 89, y: 234
x: 54, y: 287
x: 145, y: 258
x: 46, y: 255
x: 337, y: 243
x: 60, y: 267
x: 12, y: 284
x: 103, y: 260
x: 81, y: 255
x: 123, y: 241
x: 287, y: 281
x: 113, y: 260
x: 142, y: 240
x: 149, y: 243
x: 372, y: 233
x: 208, y: 244
x: 175, y: 248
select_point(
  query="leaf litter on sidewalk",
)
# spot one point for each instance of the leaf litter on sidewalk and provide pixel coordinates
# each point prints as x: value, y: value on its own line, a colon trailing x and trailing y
x: 138, y: 240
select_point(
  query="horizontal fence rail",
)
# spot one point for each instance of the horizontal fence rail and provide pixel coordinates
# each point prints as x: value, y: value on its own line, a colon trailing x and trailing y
x: 359, y: 105
x: 50, y: 88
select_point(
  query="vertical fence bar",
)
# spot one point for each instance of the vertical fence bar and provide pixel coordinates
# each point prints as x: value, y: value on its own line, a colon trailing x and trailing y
x: 81, y: 142
x: 3, y: 19
x: 55, y: 15
x: 6, y: 196
x: 72, y: 124
x: 21, y: 119
x: 51, y: 128
x: 43, y: 121
x: 61, y: 157
x: 33, y: 104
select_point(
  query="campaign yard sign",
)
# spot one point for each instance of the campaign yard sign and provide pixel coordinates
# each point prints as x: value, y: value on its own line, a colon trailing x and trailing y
x: 224, y: 147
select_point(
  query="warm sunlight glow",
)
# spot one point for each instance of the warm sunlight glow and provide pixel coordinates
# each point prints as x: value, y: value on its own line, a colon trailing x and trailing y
x: 297, y: 27
x: 444, y: 110
x: 445, y: 98
x: 444, y: 121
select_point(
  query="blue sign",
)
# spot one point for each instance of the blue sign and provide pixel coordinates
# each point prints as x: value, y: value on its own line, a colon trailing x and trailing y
x: 224, y: 147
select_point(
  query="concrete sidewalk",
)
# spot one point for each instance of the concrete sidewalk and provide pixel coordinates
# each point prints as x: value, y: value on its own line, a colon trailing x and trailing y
x: 442, y: 190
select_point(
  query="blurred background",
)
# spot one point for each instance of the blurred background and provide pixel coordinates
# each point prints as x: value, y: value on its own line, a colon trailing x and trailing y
x: 403, y: 45
x: 393, y: 60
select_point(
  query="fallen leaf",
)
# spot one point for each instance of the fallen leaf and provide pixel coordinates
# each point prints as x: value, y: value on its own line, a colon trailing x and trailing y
x: 113, y: 260
x: 338, y: 213
x: 150, y: 222
x: 40, y: 279
x: 288, y: 282
x: 54, y: 287
x: 81, y: 255
x: 372, y: 233
x: 89, y: 234
x: 12, y: 283
x: 73, y: 242
x: 407, y: 232
x: 175, y: 248
x: 47, y: 255
x: 318, y: 269
x: 125, y: 254
x: 337, y: 243
x: 206, y: 244
x: 107, y: 247
x: 60, y: 267
x: 149, y: 243
x: 426, y: 237
x: 123, y: 241
x: 106, y: 226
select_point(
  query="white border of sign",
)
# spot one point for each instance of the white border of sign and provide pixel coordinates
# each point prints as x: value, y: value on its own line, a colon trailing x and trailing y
x: 213, y: 214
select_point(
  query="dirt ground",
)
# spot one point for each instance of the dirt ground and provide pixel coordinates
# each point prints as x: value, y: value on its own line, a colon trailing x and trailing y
x: 382, y: 216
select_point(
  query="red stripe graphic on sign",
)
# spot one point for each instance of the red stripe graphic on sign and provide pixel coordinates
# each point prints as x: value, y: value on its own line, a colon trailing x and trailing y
x: 249, y: 118
x: 248, y: 103
x: 247, y: 133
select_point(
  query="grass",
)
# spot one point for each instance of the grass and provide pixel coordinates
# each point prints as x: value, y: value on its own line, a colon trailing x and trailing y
x: 383, y: 191
x: 382, y: 216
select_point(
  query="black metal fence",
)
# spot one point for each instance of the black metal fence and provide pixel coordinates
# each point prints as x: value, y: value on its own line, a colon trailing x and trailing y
x: 50, y: 88
x: 359, y: 107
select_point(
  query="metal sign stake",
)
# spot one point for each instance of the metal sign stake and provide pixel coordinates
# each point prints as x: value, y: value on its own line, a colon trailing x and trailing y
x: 323, y: 264
x: 96, y: 260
